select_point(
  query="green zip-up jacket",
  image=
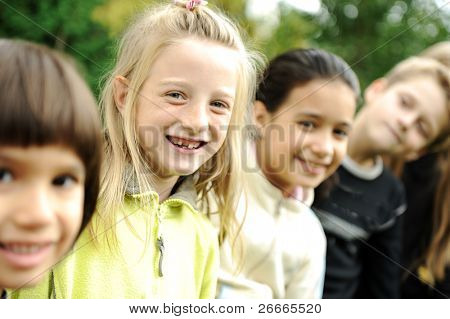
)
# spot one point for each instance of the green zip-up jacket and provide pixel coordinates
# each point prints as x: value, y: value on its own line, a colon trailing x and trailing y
x: 178, y: 258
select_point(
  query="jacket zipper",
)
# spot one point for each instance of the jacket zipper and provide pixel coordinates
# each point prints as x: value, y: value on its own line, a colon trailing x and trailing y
x: 160, y: 246
x: 159, y: 243
x: 159, y: 239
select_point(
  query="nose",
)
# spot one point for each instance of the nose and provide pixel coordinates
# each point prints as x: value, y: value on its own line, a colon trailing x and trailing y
x: 322, y: 144
x: 36, y: 209
x: 195, y: 118
x: 406, y: 120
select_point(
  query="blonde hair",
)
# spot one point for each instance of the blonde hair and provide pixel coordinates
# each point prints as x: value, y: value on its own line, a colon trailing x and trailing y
x: 437, y: 253
x: 156, y: 28
x: 439, y: 52
x: 436, y: 256
x: 420, y: 66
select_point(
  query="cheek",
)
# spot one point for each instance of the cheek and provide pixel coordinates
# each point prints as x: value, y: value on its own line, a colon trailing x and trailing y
x: 220, y: 125
x: 4, y: 207
x: 149, y: 136
x: 382, y: 108
x: 71, y: 214
x: 415, y: 141
x: 340, y: 149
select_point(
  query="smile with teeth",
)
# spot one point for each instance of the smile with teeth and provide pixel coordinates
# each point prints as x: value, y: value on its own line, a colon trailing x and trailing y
x: 185, y: 143
x: 311, y: 167
x: 23, y: 249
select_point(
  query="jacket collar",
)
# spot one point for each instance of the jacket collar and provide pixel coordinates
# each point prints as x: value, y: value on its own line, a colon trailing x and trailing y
x: 185, y: 190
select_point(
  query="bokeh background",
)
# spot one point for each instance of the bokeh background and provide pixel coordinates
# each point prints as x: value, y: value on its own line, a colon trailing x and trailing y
x: 371, y: 35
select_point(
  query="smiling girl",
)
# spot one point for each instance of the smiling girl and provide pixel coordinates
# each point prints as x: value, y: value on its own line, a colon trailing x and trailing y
x: 50, y: 146
x: 182, y: 77
x: 303, y: 113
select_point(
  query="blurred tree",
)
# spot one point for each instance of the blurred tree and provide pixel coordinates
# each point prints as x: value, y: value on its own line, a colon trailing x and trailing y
x: 379, y: 33
x: 237, y: 10
x: 373, y: 34
x: 116, y: 14
x: 293, y: 31
x: 62, y: 24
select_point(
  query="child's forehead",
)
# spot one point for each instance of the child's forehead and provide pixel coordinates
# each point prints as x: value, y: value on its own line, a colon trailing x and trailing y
x: 424, y: 88
x: 41, y: 156
x: 417, y: 79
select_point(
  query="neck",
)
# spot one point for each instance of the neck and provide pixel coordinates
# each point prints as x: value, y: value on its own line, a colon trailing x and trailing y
x: 164, y: 185
x: 359, y: 146
x: 273, y: 178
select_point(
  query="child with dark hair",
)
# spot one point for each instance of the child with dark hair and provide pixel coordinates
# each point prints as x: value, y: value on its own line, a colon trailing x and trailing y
x: 405, y: 113
x: 50, y: 146
x: 303, y: 113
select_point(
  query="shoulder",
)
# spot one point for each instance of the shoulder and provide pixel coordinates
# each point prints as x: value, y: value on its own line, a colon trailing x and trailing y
x: 312, y: 229
x: 384, y: 187
x: 397, y: 194
x: 315, y: 228
x: 388, y: 177
x: 187, y: 222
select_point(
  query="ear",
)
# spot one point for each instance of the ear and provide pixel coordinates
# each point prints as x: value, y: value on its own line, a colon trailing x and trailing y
x: 261, y: 116
x: 413, y: 155
x: 374, y: 89
x: 120, y: 92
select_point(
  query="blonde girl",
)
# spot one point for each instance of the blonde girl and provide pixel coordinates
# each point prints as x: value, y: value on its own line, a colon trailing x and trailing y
x: 172, y: 105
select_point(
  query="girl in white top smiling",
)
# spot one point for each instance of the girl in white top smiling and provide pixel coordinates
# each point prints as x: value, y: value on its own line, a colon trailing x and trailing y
x: 303, y: 112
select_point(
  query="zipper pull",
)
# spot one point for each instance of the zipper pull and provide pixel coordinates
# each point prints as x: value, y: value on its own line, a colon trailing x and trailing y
x: 160, y: 245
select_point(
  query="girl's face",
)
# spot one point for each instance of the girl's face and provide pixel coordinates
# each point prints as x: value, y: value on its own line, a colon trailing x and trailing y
x: 403, y: 118
x: 304, y: 141
x: 185, y: 106
x: 41, y: 209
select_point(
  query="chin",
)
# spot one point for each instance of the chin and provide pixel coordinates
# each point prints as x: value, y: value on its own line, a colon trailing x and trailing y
x: 29, y: 279
x: 309, y: 182
x: 182, y: 171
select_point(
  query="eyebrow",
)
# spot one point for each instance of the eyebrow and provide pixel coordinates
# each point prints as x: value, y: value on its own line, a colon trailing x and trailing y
x: 317, y: 116
x: 184, y: 83
x: 63, y: 167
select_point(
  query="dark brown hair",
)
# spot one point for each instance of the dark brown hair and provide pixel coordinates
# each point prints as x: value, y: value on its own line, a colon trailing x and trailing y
x: 297, y: 67
x: 45, y: 101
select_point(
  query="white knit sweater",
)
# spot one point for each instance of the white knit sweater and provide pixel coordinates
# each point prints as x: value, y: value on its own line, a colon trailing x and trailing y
x: 283, y: 245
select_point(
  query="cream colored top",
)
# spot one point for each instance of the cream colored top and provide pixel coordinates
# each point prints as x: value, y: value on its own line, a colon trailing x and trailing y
x: 283, y: 245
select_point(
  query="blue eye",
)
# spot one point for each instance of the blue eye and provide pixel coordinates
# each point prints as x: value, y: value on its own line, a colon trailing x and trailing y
x: 175, y: 95
x: 64, y: 181
x: 5, y: 176
x: 306, y: 124
x: 220, y: 104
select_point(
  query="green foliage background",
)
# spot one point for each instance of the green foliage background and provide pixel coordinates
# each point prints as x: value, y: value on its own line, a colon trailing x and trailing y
x: 371, y: 35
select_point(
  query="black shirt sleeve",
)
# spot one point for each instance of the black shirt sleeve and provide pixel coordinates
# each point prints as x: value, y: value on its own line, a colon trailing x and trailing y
x: 381, y: 269
x: 382, y: 255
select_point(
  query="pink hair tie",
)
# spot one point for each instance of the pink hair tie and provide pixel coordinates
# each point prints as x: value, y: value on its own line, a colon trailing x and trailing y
x: 191, y: 4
